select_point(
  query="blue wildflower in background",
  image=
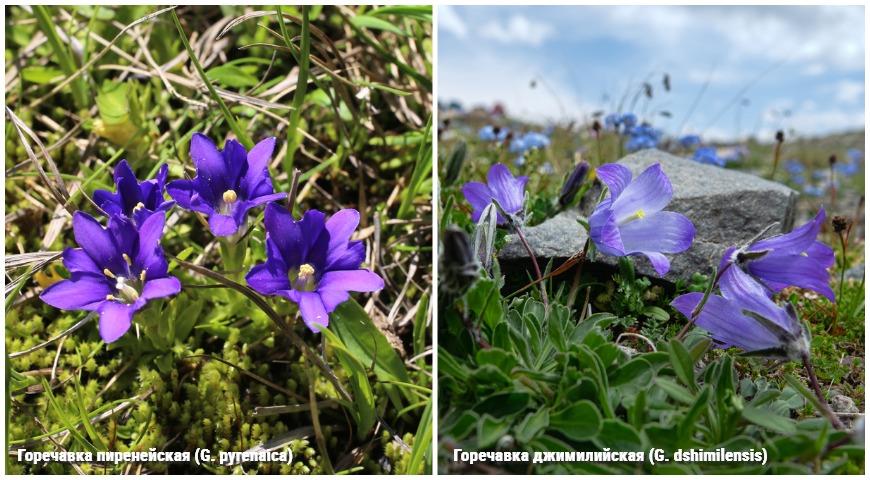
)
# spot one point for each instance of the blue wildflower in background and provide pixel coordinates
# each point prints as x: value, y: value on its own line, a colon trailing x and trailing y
x: 134, y: 199
x: 743, y: 316
x: 689, y: 141
x: 631, y: 220
x: 491, y: 133
x: 528, y: 141
x: 855, y: 155
x: 502, y: 186
x: 813, y: 190
x: 794, y: 259
x: 115, y: 271
x: 794, y: 167
x: 228, y: 183
x: 643, y: 137
x: 312, y: 262
x: 708, y: 156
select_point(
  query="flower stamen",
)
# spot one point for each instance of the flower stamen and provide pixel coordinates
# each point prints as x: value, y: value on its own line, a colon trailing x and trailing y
x: 230, y: 196
x: 108, y: 273
x: 127, y: 259
x: 139, y: 206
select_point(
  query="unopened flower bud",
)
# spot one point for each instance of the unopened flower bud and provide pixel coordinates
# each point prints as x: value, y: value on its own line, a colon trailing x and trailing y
x: 573, y: 183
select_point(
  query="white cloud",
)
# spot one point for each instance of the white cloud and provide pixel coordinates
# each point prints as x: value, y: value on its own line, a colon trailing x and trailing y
x: 517, y: 29
x: 450, y: 21
x: 848, y: 91
x: 814, y: 69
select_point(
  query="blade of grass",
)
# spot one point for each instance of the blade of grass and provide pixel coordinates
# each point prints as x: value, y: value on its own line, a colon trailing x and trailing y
x: 293, y: 137
x: 420, y: 451
x: 421, y: 167
x: 63, y: 55
x: 228, y: 115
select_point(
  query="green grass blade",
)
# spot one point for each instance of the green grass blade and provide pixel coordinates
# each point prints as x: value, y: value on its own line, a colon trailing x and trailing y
x: 63, y: 55
x: 294, y: 139
x: 228, y: 115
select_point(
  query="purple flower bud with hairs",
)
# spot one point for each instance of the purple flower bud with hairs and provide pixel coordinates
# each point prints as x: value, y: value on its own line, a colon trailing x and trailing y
x: 312, y: 262
x: 134, y: 199
x: 228, y: 183
x: 743, y: 316
x: 632, y: 220
x: 115, y: 272
x: 502, y: 186
x: 789, y: 259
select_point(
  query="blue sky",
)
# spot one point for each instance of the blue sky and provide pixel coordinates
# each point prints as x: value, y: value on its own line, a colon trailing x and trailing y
x: 796, y: 68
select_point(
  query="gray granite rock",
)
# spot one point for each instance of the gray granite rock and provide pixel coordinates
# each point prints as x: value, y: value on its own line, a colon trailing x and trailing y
x: 726, y: 206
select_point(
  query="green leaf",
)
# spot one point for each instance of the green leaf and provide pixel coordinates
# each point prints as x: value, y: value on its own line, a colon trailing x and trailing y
x: 637, y: 371
x: 690, y: 421
x: 484, y: 299
x: 490, y: 429
x: 498, y: 358
x: 532, y: 425
x: 618, y: 436
x: 675, y: 391
x: 767, y: 419
x: 375, y: 23
x: 231, y: 76
x: 40, y: 75
x: 367, y: 344
x: 420, y: 452
x: 580, y: 421
x: 656, y: 313
x: 363, y: 396
x: 681, y: 361
x: 421, y: 12
x: 502, y: 404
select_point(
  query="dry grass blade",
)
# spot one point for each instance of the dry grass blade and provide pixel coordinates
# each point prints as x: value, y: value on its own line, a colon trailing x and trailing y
x: 58, y: 189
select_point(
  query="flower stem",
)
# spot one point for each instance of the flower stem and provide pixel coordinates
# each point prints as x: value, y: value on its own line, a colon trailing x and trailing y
x: 697, y: 311
x: 575, y: 286
x: 233, y: 256
x: 525, y: 243
x: 776, y: 155
x: 843, y: 264
x: 814, y: 382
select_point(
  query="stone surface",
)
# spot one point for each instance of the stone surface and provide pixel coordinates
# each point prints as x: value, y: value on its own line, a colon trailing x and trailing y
x: 726, y: 206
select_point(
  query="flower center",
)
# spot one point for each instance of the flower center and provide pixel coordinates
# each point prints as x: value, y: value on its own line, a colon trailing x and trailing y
x: 230, y: 196
x: 139, y: 206
x: 639, y: 214
x: 127, y: 287
x: 304, y: 278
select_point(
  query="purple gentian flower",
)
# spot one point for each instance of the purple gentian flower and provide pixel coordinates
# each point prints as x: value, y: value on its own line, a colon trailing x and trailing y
x: 134, y: 199
x: 642, y: 137
x: 490, y: 133
x: 507, y: 190
x: 744, y: 317
x: 688, y: 141
x: 709, y: 156
x: 790, y: 259
x: 794, y: 167
x: 631, y: 220
x: 312, y: 262
x: 116, y: 271
x: 612, y: 121
x: 227, y: 183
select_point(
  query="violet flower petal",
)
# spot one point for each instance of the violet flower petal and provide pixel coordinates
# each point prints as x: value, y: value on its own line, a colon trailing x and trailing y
x: 351, y: 280
x: 97, y: 242
x: 615, y: 176
x: 726, y: 323
x: 79, y: 292
x: 507, y: 190
x: 77, y: 261
x: 780, y: 271
x: 650, y: 192
x: 209, y: 163
x: 797, y: 241
x: 478, y: 196
x: 115, y: 319
x: 667, y: 232
x: 313, y: 311
x: 160, y: 287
